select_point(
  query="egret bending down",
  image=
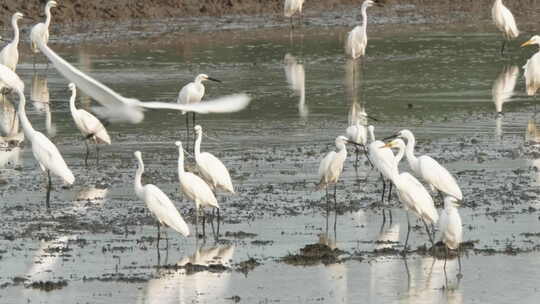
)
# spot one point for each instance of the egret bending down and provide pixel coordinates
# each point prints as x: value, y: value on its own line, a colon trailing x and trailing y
x: 193, y: 92
x: 412, y: 193
x: 9, y: 56
x: 450, y: 227
x: 158, y: 203
x: 429, y: 169
x: 40, y: 31
x: 357, y: 38
x: 195, y: 188
x: 90, y: 127
x: 532, y: 68
x: 504, y: 21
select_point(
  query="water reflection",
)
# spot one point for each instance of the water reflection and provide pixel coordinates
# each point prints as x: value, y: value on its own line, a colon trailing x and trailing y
x: 39, y: 94
x: 46, y: 258
x: 94, y: 195
x: 388, y: 237
x: 502, y: 91
x: 296, y: 77
x: 9, y: 124
x: 10, y: 157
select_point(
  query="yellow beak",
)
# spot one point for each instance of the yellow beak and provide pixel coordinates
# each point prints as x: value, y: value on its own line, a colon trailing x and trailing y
x: 526, y: 43
x: 387, y: 145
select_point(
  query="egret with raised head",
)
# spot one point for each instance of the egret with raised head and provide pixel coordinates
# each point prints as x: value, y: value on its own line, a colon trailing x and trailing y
x: 505, y: 22
x: 357, y: 39
x: 9, y: 56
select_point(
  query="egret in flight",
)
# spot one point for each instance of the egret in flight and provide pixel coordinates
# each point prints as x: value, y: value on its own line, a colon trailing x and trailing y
x: 450, y: 227
x: 195, y: 188
x: 292, y: 7
x: 357, y: 40
x: 505, y: 22
x: 90, y: 127
x: 429, y: 169
x: 532, y: 68
x: 212, y: 170
x: 193, y: 92
x: 158, y: 203
x: 412, y: 193
x: 40, y: 31
x: 9, y: 56
x: 119, y: 108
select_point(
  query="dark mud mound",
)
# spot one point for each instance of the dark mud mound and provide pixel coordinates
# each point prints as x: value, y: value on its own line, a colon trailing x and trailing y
x: 313, y: 254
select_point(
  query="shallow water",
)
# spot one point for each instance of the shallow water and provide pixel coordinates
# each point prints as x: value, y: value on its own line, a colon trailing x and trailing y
x: 98, y: 240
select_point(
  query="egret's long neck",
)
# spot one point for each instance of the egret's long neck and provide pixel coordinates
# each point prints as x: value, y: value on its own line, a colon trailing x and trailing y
x: 72, y: 102
x: 180, y: 162
x: 47, y: 16
x: 372, y: 134
x: 411, y: 158
x: 15, y: 31
x: 364, y: 16
x: 399, y: 156
x: 198, y: 145
x: 138, y: 178
x: 26, y: 125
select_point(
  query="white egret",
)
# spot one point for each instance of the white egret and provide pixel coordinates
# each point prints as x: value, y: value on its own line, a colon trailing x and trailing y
x: 9, y: 123
x: 504, y: 21
x: 9, y: 56
x: 10, y: 80
x: 40, y: 31
x: 357, y: 40
x: 45, y: 152
x: 193, y: 92
x: 296, y: 78
x: 292, y: 7
x: 158, y: 203
x: 503, y: 87
x: 429, y: 169
x: 195, y: 188
x: 450, y: 227
x: 90, y: 127
x: 532, y: 68
x: 357, y: 133
x: 119, y: 108
x: 412, y: 193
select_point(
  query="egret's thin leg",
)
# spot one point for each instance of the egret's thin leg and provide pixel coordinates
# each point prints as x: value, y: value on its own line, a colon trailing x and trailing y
x: 459, y: 259
x: 212, y: 226
x: 197, y: 223
x: 158, y: 235
x: 502, y: 47
x: 87, y: 153
x: 203, y: 224
x: 445, y: 258
x: 167, y: 243
x: 335, y: 208
x: 408, y: 232
x: 218, y: 221
x: 383, y: 189
x: 49, y: 186
x: 390, y: 214
x: 390, y: 192
x: 327, y: 209
x: 97, y: 154
x: 428, y: 233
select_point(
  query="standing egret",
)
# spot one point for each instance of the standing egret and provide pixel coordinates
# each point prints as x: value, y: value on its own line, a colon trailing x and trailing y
x: 10, y: 80
x: 532, y: 68
x: 504, y: 21
x: 40, y: 31
x: 192, y: 93
x: 158, y: 203
x: 356, y: 43
x: 357, y: 133
x: 90, y: 127
x: 9, y: 56
x: 292, y: 7
x: 212, y: 170
x: 45, y: 152
x: 195, y: 188
x: 450, y: 227
x: 412, y: 193
x: 429, y: 169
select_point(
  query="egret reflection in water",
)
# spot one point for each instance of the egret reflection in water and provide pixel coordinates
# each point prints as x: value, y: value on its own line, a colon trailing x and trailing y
x: 39, y: 94
x: 10, y: 133
x: 501, y: 92
x: 45, y: 264
x: 296, y: 78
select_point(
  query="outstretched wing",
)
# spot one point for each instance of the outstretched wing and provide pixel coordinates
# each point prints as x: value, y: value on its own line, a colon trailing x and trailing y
x: 227, y: 104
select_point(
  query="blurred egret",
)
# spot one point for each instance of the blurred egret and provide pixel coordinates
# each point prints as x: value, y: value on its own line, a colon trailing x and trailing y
x: 9, y: 56
x: 40, y: 31
x: 429, y: 169
x: 504, y: 21
x: 90, y: 127
x: 412, y: 193
x: 119, y: 108
x: 503, y: 87
x: 195, y: 188
x: 292, y: 7
x: 532, y: 68
x: 296, y: 78
x: 357, y: 134
x: 10, y: 80
x: 357, y: 38
x: 158, y: 203
x: 193, y: 92
x: 450, y: 227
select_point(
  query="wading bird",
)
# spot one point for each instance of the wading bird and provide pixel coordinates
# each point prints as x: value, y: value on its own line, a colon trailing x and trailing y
x: 195, y: 188
x: 412, y: 193
x: 532, y: 68
x: 9, y: 56
x: 193, y: 92
x: 158, y: 203
x: 505, y: 22
x: 90, y: 127
x: 292, y: 7
x: 357, y: 40
x: 429, y: 169
x: 450, y: 227
x: 40, y: 31
x: 119, y: 108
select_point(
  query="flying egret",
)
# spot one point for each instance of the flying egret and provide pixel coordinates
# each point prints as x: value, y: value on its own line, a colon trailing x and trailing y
x: 503, y: 87
x: 412, y: 193
x: 90, y: 127
x: 292, y: 7
x: 504, y: 21
x: 532, y: 68
x: 212, y: 170
x: 9, y: 56
x: 356, y: 43
x: 40, y: 31
x: 429, y: 169
x: 158, y: 203
x: 193, y: 92
x: 195, y: 188
x: 450, y: 227
x: 119, y: 108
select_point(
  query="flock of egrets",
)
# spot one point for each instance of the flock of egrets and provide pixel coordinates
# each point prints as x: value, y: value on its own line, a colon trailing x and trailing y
x: 214, y: 175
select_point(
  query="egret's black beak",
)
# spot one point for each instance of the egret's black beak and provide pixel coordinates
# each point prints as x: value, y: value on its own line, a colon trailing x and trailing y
x: 213, y: 79
x: 372, y: 118
x: 390, y: 137
x: 28, y: 18
x: 379, y: 3
x: 355, y: 143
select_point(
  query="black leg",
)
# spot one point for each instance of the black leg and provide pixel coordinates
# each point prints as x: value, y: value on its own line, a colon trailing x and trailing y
x: 158, y: 235
x: 502, y: 47
x: 383, y: 189
x: 197, y: 223
x: 87, y: 153
x: 408, y: 233
x: 428, y: 233
x: 218, y: 222
x: 390, y: 192
x: 49, y: 186
x: 204, y: 224
x: 97, y: 154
